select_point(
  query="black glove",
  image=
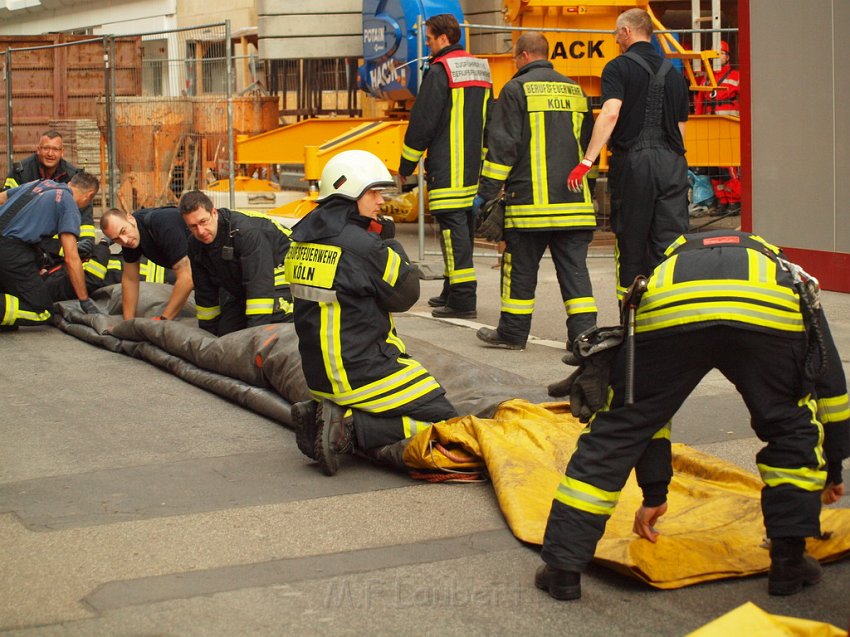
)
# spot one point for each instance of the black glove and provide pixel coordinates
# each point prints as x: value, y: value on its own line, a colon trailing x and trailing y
x: 85, y: 247
x: 589, y: 386
x: 494, y: 221
x: 88, y: 306
x: 387, y: 227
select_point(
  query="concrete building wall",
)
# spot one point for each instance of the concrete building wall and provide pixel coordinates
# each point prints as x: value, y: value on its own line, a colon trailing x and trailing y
x: 800, y: 83
x: 101, y: 17
x: 241, y: 13
x: 315, y: 29
x: 486, y: 12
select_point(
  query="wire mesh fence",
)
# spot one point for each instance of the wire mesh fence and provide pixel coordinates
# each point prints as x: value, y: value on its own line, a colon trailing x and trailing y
x: 156, y: 114
x: 151, y: 114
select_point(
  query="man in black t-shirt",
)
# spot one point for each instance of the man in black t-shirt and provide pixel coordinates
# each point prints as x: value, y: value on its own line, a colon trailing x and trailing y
x: 644, y: 110
x: 160, y: 235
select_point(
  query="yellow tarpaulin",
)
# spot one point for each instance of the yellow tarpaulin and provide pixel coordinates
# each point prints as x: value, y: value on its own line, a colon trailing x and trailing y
x: 748, y: 619
x: 713, y: 528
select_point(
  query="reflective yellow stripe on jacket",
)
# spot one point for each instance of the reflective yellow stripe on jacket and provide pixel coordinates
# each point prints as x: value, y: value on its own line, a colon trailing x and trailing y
x: 757, y: 300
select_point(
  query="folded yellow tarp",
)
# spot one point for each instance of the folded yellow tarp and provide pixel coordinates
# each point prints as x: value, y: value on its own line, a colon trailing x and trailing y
x: 748, y: 619
x: 713, y: 528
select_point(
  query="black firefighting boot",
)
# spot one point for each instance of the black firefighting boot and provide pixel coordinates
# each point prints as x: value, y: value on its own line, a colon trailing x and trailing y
x: 560, y: 584
x: 389, y: 455
x: 304, y: 422
x: 334, y: 436
x: 790, y: 567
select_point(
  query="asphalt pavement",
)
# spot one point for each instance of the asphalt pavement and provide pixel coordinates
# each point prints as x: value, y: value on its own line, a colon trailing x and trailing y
x: 133, y: 503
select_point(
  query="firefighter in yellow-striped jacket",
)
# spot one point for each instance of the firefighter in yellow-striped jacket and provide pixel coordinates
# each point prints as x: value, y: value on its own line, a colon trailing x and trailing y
x: 237, y: 266
x: 538, y: 130
x: 721, y: 300
x: 346, y: 279
x: 447, y: 120
x: 47, y: 162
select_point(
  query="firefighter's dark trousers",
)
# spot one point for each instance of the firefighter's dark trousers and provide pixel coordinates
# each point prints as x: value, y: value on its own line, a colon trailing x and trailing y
x: 457, y: 232
x: 97, y: 270
x: 767, y: 371
x: 233, y: 317
x: 24, y: 298
x: 520, y: 264
x: 649, y: 208
x: 376, y: 430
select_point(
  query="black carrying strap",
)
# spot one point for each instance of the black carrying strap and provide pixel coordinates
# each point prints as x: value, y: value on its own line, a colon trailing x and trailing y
x: 721, y: 240
x: 652, y: 133
x: 16, y: 206
x: 712, y: 103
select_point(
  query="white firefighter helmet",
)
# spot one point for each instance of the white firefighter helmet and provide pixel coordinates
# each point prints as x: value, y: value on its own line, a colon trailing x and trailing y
x: 351, y: 173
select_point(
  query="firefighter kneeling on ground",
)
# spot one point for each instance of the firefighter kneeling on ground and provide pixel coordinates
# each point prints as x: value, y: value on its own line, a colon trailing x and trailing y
x: 346, y: 279
x: 720, y: 300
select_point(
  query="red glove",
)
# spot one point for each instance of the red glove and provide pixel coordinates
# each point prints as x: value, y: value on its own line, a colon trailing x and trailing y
x: 576, y: 179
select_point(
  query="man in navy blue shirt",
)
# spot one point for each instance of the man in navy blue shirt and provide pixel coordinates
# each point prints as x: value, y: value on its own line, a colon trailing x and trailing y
x: 28, y: 214
x: 160, y: 235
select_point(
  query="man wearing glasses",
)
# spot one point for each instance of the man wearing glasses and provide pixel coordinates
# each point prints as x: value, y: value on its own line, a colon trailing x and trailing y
x: 237, y: 266
x: 47, y: 162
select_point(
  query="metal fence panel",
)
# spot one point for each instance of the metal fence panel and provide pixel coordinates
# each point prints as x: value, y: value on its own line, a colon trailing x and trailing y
x: 152, y: 114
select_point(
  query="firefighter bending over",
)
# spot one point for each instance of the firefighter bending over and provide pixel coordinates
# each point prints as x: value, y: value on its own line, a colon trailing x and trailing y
x: 346, y: 280
x: 160, y: 235
x: 28, y: 214
x: 237, y: 266
x: 719, y: 300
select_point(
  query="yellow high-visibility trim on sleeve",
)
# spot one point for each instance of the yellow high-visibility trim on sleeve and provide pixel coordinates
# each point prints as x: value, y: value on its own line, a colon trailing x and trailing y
x: 207, y: 313
x: 499, y: 172
x: 392, y: 267
x: 411, y: 154
x: 259, y: 306
x: 280, y: 276
x: 95, y: 269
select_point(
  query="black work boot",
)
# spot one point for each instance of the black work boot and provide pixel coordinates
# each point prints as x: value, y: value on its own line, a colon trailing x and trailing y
x: 304, y: 422
x: 494, y: 338
x: 334, y: 436
x: 390, y: 455
x: 438, y: 301
x: 449, y: 312
x: 790, y: 567
x: 560, y: 584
